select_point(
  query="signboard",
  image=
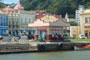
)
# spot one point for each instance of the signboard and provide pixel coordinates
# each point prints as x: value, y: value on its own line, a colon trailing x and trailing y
x: 49, y: 18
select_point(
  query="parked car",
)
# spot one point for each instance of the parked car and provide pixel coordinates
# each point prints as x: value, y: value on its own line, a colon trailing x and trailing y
x: 82, y: 36
x: 1, y: 37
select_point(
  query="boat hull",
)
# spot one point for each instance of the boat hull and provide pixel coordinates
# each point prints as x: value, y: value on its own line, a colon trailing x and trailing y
x: 79, y: 48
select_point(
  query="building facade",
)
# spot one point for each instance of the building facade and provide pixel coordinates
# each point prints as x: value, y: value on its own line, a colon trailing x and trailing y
x: 85, y: 23
x: 3, y: 25
x: 77, y: 16
x: 75, y: 31
x: 26, y: 17
x: 47, y: 26
x: 18, y: 19
x: 84, y: 28
x: 13, y: 24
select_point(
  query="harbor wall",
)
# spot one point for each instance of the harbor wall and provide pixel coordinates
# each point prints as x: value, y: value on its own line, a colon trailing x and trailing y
x: 39, y: 47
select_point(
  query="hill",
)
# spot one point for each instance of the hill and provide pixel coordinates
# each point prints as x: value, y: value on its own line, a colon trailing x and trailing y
x: 55, y: 6
x: 1, y: 5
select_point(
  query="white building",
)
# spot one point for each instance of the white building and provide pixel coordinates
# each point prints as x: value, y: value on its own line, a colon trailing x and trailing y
x: 77, y: 16
x: 26, y: 17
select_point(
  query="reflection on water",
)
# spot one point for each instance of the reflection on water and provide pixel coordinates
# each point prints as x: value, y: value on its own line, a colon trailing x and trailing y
x: 60, y: 55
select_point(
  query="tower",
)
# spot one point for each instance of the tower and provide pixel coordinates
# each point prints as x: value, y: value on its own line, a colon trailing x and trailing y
x: 67, y: 17
x: 77, y: 13
x: 19, y: 6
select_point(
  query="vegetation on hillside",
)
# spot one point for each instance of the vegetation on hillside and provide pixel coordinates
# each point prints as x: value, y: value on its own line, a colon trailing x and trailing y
x: 55, y: 6
x: 2, y: 5
x: 73, y: 23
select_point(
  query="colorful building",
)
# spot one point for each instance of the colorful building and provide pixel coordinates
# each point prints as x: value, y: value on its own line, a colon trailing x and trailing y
x: 18, y: 18
x: 48, y: 25
x: 3, y: 24
x: 13, y: 20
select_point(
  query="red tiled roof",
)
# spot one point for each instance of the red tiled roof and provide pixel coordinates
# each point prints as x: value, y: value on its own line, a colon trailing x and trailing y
x: 40, y: 14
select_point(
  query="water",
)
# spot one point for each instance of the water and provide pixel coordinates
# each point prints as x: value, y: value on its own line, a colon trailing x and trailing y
x: 60, y: 55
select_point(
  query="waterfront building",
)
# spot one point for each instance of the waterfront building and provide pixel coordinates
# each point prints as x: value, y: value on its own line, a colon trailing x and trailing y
x: 14, y: 20
x: 18, y: 18
x: 84, y: 28
x: 77, y: 13
x: 75, y: 31
x: 47, y: 25
x: 26, y: 17
x: 3, y: 24
x: 85, y: 23
x: 13, y: 24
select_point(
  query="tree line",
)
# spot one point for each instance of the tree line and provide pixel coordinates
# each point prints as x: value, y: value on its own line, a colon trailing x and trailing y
x: 55, y: 6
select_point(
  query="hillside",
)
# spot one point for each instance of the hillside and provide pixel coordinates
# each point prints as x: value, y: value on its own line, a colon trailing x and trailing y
x: 2, y: 5
x: 55, y: 6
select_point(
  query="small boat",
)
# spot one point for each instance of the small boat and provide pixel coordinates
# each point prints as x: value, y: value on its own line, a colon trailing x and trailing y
x: 87, y: 47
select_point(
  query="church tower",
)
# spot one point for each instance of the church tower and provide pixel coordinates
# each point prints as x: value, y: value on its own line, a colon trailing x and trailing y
x: 67, y: 17
x: 19, y: 6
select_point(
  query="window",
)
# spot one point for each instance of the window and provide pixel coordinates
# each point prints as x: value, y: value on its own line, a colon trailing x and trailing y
x: 89, y: 20
x: 86, y: 20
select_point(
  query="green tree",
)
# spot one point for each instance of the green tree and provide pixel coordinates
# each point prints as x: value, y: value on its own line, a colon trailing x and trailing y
x: 87, y: 5
x: 2, y: 5
x: 55, y: 6
x: 73, y: 23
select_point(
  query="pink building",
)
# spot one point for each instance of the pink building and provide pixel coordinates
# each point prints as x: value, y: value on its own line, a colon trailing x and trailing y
x: 47, y: 25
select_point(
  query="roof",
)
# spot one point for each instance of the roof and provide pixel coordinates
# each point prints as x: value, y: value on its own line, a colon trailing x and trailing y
x: 27, y: 12
x: 39, y: 23
x: 86, y: 12
x: 47, y: 17
x: 44, y: 19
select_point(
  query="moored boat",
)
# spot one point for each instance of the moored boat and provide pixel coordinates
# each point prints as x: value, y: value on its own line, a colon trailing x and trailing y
x: 87, y: 47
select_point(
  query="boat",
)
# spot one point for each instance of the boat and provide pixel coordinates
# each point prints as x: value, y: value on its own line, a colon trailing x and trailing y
x: 87, y: 47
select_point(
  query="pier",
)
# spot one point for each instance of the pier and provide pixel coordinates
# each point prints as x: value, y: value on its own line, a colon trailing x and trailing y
x: 31, y: 46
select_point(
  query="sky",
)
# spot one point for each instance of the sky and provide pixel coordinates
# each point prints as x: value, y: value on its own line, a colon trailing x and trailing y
x: 10, y: 1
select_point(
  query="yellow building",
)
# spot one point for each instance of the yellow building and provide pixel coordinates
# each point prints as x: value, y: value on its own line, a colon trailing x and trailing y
x: 84, y: 28
x: 85, y: 23
x: 75, y: 31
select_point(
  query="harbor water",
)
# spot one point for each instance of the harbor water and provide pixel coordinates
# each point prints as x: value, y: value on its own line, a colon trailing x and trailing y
x: 58, y: 55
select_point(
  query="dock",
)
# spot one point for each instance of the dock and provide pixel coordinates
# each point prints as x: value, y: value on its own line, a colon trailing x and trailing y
x: 29, y: 46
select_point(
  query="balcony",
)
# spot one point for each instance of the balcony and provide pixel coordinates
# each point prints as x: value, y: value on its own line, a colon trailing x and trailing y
x: 88, y: 24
